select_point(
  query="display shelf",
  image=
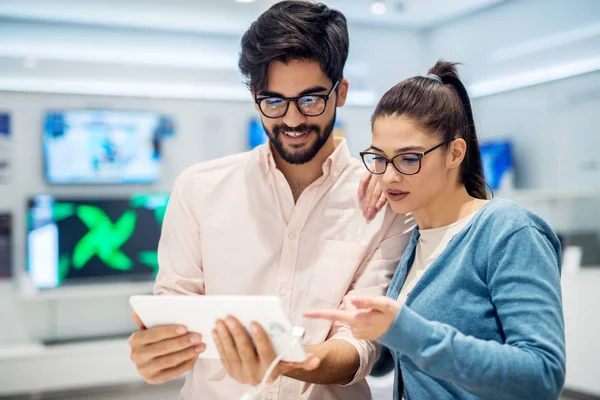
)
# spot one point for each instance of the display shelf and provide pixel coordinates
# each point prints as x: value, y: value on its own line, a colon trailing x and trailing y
x: 27, y: 291
x: 536, y: 195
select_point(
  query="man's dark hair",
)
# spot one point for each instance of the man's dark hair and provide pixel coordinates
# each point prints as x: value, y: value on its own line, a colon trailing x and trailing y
x: 294, y: 30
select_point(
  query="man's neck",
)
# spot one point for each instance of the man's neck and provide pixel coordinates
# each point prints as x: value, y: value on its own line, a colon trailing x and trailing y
x: 300, y: 176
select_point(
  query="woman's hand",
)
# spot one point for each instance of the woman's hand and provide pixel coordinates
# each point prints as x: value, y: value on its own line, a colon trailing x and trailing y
x: 369, y: 317
x: 374, y: 198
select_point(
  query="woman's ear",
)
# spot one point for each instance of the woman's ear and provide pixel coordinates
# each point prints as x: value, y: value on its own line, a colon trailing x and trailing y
x: 456, y: 155
x: 342, y: 92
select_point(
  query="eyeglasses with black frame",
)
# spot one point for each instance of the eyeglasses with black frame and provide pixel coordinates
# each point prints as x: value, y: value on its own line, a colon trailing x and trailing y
x: 311, y: 105
x: 406, y: 163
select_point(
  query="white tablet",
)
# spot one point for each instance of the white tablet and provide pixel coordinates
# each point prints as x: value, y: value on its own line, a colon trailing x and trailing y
x: 200, y: 313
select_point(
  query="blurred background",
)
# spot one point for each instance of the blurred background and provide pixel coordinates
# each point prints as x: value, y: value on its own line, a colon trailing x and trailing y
x: 104, y: 102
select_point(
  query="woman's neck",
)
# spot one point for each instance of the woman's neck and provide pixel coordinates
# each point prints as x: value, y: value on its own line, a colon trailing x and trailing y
x: 452, y: 206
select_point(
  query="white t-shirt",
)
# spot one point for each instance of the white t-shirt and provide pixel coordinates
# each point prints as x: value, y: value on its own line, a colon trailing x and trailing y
x: 431, y: 244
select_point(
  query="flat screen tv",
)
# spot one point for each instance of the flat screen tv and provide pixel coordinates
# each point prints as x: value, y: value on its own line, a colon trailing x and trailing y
x: 5, y: 245
x: 79, y: 240
x: 103, y: 146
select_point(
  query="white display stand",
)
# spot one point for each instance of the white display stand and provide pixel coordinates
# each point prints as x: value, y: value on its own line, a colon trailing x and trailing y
x: 34, y: 368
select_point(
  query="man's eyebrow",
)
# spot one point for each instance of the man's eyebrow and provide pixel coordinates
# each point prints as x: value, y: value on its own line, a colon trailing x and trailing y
x: 311, y: 90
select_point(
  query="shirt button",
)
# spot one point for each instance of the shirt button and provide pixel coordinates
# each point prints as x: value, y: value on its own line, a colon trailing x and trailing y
x: 282, y: 291
x: 269, y: 396
x: 292, y: 235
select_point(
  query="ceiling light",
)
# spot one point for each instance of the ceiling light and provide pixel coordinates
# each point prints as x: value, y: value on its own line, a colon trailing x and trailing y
x: 378, y: 8
x: 245, y: 1
x: 533, y: 77
x: 545, y: 43
x: 169, y: 90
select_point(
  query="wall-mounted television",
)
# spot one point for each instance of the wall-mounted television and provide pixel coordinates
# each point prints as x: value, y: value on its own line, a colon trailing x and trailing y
x: 5, y: 245
x: 103, y: 146
x: 256, y: 133
x: 497, y: 160
x: 87, y: 240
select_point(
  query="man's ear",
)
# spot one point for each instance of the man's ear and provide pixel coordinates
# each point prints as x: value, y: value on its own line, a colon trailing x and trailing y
x: 254, y: 97
x: 342, y: 92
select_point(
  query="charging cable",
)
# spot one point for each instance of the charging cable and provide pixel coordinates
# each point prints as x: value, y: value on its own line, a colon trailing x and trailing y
x: 254, y: 393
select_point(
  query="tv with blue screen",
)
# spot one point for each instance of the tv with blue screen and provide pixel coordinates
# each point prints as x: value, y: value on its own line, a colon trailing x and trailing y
x: 103, y: 146
x: 79, y: 240
x: 497, y: 160
x: 256, y: 133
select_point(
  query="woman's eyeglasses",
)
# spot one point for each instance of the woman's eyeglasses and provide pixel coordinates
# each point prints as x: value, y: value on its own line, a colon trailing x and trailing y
x: 405, y: 163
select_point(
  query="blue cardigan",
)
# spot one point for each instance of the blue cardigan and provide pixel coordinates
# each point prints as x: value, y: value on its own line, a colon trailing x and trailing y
x: 485, y: 320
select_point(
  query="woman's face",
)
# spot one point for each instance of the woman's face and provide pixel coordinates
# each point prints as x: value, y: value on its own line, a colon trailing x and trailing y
x: 393, y: 135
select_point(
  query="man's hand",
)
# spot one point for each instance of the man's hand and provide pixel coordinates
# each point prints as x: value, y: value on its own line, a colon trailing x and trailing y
x: 246, y: 363
x: 370, y: 191
x: 164, y: 353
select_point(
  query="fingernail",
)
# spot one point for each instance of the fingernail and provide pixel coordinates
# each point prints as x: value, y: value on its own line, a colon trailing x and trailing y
x: 199, y: 349
x: 180, y: 330
x: 221, y: 327
x: 195, y: 340
x: 230, y: 324
x: 216, y: 338
x: 379, y: 204
x: 254, y: 329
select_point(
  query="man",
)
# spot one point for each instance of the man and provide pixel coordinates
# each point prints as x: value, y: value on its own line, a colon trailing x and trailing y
x: 281, y: 220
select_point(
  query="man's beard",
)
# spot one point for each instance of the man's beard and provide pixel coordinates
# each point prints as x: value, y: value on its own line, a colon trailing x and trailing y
x: 300, y: 156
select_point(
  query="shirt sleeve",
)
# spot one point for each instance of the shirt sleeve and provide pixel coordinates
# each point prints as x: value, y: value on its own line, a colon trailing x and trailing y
x: 373, y: 279
x: 524, y: 287
x: 179, y: 254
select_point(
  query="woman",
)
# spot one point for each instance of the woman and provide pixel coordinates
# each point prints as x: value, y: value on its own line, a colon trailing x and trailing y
x: 474, y: 309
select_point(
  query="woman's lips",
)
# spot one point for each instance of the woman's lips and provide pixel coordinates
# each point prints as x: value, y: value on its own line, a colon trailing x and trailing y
x: 396, y: 195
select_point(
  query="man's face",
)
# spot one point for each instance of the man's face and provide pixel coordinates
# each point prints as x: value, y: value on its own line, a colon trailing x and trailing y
x: 296, y: 137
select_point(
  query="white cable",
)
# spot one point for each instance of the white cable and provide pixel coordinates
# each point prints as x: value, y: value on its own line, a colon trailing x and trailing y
x: 254, y: 393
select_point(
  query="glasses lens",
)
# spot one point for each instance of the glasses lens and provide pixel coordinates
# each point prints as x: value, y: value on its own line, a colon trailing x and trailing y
x: 311, y: 105
x: 408, y: 164
x: 273, y: 107
x: 374, y: 163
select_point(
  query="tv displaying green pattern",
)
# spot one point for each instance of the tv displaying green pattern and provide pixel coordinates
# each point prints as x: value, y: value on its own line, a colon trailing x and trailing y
x: 74, y: 240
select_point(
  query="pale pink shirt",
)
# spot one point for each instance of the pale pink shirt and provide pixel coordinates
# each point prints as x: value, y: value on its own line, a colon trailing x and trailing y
x: 232, y: 228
